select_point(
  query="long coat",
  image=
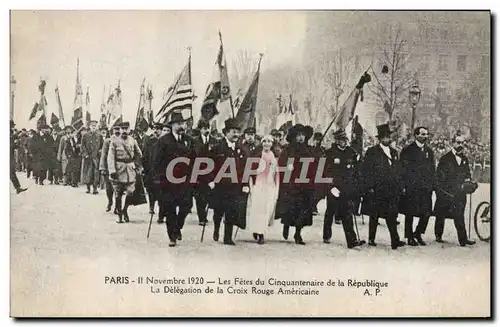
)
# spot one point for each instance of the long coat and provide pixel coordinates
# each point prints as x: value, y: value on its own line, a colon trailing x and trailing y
x: 42, y: 153
x: 450, y: 177
x: 381, y: 178
x: 91, y: 154
x: 61, y: 153
x: 72, y: 154
x: 418, y: 180
x: 295, y: 200
x: 124, y: 158
x: 148, y: 152
x: 227, y: 196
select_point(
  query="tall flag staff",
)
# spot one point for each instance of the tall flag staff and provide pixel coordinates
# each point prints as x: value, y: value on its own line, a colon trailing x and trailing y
x: 246, y: 111
x: 59, y: 104
x: 77, y: 119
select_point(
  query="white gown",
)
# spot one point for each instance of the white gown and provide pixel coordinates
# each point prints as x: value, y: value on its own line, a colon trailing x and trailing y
x: 263, y: 196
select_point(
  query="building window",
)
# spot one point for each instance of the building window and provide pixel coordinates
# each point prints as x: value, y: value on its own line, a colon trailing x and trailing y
x: 485, y: 63
x: 443, y: 63
x: 462, y: 63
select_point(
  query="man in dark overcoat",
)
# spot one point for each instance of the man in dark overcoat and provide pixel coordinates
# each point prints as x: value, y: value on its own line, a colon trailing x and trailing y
x: 419, y: 180
x: 294, y: 205
x: 204, y: 143
x: 176, y: 196
x: 91, y: 153
x: 229, y: 195
x: 341, y: 165
x: 148, y: 149
x: 453, y: 172
x: 381, y: 178
x: 42, y: 154
x: 72, y: 154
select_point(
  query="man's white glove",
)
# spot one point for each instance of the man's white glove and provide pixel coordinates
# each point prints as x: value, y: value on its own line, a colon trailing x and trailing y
x: 245, y: 189
x: 335, y: 192
x: 211, y: 185
x: 289, y: 167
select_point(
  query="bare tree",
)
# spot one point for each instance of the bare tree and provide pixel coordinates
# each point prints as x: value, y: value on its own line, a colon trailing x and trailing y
x: 244, y: 65
x: 391, y: 87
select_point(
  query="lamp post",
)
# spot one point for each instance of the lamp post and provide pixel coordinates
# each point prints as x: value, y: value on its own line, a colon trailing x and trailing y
x: 414, y: 97
x: 13, y: 83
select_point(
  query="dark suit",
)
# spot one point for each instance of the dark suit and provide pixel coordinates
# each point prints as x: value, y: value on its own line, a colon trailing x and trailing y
x: 55, y: 172
x: 228, y: 199
x: 450, y: 177
x: 72, y: 151
x: 148, y: 151
x: 419, y: 179
x: 341, y: 166
x: 251, y: 149
x: 202, y: 190
x: 381, y: 180
x: 174, y: 195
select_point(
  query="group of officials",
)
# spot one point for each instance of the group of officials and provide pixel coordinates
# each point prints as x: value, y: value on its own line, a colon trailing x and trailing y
x: 380, y: 184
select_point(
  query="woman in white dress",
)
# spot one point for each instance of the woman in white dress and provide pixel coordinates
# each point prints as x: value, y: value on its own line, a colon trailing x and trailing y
x: 263, y: 192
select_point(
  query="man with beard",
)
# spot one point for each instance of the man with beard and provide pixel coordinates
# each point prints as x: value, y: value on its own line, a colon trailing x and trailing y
x: 91, y: 151
x: 147, y: 164
x: 229, y: 197
x: 294, y: 205
x: 453, y: 173
x: 249, y: 145
x: 103, y: 167
x: 203, y: 145
x: 124, y: 163
x: 419, y: 180
x: 174, y: 195
x: 380, y: 174
x: 341, y: 166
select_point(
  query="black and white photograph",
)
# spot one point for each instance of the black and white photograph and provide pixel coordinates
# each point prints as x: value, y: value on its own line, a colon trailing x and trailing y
x: 250, y: 163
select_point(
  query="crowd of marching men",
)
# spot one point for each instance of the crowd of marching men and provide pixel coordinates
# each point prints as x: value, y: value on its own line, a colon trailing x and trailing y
x: 380, y: 182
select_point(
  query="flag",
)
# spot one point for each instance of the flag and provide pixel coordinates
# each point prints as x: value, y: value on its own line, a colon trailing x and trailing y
x: 141, y: 119
x: 286, y: 117
x: 88, y: 117
x: 102, y: 120
x: 218, y: 94
x: 246, y: 110
x: 58, y: 98
x: 54, y: 120
x: 356, y: 135
x: 346, y: 112
x: 114, y: 115
x: 33, y: 111
x: 77, y: 119
x: 181, y: 96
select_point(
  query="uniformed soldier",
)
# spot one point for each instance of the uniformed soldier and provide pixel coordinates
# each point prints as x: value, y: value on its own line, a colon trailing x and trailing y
x: 124, y: 163
x: 249, y: 145
x: 341, y: 165
x: 103, y: 167
x: 91, y: 154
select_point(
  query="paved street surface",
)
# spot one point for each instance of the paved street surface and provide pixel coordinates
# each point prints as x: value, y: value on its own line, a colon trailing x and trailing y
x: 63, y: 245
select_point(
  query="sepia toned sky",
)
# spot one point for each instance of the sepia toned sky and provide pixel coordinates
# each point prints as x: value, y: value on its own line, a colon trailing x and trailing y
x: 131, y: 45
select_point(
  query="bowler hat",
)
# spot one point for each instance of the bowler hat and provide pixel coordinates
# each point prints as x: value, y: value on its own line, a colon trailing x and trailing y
x: 69, y: 128
x: 176, y: 117
x: 299, y: 128
x: 249, y: 130
x: 340, y: 134
x: 231, y: 123
x: 383, y: 130
x: 44, y: 126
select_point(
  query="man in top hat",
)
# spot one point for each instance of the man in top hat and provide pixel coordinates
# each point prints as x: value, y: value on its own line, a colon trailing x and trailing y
x: 419, y: 180
x: 294, y: 205
x: 341, y: 165
x: 382, y: 186
x: 124, y: 163
x: 148, y: 147
x: 249, y: 145
x: 453, y: 175
x: 61, y: 152
x: 91, y: 153
x: 103, y: 166
x: 204, y: 143
x: 228, y: 197
x: 176, y: 198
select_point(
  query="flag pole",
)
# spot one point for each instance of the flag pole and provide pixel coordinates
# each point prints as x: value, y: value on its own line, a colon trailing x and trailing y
x: 230, y: 96
x: 191, y: 82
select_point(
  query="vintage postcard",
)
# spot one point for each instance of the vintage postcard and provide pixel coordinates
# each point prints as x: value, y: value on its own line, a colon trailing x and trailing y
x: 250, y: 163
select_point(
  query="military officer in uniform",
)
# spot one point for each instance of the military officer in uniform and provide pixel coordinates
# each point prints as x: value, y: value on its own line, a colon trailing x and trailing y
x: 382, y: 186
x: 103, y: 167
x: 453, y: 173
x: 124, y: 163
x: 341, y: 165
x: 249, y: 144
x: 419, y: 180
x: 91, y: 154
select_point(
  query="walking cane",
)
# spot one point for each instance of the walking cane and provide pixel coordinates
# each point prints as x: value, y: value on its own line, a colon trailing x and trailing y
x: 150, y: 222
x: 203, y: 229
x: 361, y: 242
x: 470, y: 213
x: 237, y: 229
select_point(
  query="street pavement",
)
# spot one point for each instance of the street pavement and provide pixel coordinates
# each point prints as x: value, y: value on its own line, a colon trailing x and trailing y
x: 63, y: 245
